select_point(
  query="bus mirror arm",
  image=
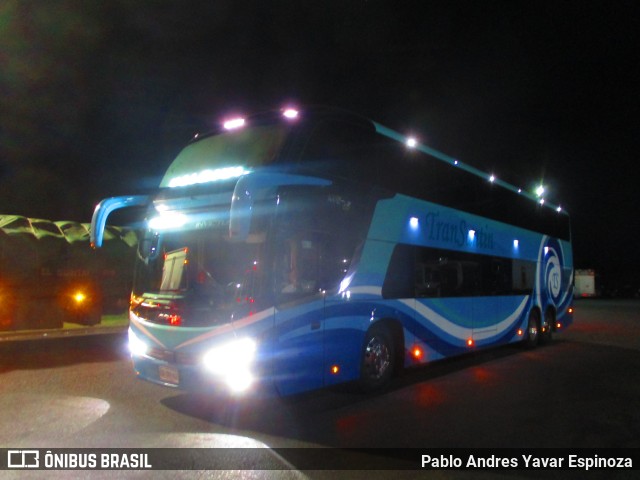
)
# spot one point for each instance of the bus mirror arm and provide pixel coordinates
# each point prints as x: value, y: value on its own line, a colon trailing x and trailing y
x: 254, y: 187
x: 104, y: 209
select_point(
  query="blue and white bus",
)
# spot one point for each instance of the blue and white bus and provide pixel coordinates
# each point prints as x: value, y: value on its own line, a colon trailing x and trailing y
x: 303, y: 249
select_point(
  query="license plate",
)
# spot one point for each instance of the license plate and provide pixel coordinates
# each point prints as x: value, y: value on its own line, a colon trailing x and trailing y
x: 169, y: 374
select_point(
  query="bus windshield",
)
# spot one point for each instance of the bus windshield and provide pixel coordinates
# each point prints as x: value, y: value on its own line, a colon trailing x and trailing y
x: 226, y: 155
x: 197, y: 277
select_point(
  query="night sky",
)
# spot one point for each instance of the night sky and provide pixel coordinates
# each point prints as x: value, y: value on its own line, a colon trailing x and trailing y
x: 97, y: 97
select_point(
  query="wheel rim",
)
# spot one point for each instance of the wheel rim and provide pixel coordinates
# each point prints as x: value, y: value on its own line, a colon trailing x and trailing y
x: 377, y: 358
x: 533, y: 330
x: 549, y: 320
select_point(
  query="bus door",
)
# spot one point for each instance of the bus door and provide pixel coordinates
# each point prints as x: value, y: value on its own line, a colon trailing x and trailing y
x: 316, y: 235
x: 298, y: 357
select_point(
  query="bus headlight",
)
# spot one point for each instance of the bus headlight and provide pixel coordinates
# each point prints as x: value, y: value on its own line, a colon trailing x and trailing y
x: 232, y: 362
x: 136, y: 346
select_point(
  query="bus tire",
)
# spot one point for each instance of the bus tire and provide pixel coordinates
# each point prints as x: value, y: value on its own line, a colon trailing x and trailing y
x: 377, y: 360
x: 547, y: 326
x: 533, y: 329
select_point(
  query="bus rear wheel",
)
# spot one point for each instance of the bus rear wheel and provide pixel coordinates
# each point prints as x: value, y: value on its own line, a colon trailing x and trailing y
x: 533, y: 330
x: 378, y: 359
x: 547, y: 327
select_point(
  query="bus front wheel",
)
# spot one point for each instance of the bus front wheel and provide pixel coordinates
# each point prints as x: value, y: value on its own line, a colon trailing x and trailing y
x: 378, y: 359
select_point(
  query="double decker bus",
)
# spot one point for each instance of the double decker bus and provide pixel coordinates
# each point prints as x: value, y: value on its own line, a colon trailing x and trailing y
x: 306, y: 248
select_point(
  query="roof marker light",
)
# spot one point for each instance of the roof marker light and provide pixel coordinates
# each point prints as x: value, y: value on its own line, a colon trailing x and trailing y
x: 414, y: 222
x: 559, y: 209
x: 471, y: 235
x: 411, y: 142
x: 541, y: 201
x: 455, y: 162
x: 233, y: 123
x: 540, y: 190
x: 519, y: 190
x: 290, y: 113
x: 492, y: 178
x: 516, y: 244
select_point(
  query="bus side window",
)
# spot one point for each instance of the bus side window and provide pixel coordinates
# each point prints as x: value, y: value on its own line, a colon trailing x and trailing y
x: 450, y: 273
x: 428, y: 281
x: 308, y: 266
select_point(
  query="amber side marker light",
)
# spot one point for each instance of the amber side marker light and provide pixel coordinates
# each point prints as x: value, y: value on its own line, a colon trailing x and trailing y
x: 335, y: 369
x: 417, y: 353
x: 470, y: 342
x: 520, y: 332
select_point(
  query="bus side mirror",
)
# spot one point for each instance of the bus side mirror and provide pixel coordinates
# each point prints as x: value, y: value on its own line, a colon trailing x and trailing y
x: 104, y: 209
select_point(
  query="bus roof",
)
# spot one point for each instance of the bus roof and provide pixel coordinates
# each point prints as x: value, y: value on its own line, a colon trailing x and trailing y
x: 289, y: 117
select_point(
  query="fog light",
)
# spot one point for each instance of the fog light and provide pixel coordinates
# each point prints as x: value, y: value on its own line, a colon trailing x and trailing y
x: 136, y: 346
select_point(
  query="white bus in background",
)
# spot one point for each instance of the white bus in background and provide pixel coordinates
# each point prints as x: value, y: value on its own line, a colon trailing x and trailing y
x: 585, y: 283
